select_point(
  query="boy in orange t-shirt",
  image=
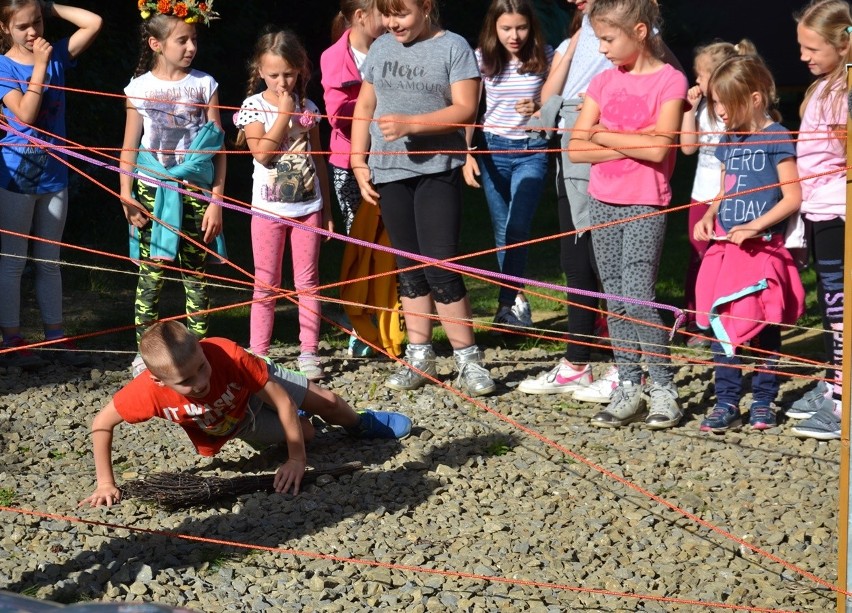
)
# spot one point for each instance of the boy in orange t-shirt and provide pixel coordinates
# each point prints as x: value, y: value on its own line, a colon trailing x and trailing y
x: 216, y: 391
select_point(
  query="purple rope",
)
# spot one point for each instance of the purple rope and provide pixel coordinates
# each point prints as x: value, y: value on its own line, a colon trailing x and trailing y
x: 678, y: 313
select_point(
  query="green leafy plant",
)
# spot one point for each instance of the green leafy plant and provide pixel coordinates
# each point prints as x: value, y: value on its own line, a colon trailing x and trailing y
x: 7, y: 497
x: 499, y: 447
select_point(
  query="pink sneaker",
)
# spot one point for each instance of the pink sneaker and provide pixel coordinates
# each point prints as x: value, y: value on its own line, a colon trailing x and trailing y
x: 601, y: 390
x: 561, y: 379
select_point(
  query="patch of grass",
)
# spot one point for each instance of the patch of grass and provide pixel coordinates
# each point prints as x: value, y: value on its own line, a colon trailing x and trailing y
x: 7, y: 497
x: 216, y: 559
x: 499, y: 447
x: 56, y: 455
x: 31, y: 590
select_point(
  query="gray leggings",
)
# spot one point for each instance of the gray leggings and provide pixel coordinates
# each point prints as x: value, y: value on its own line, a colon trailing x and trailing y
x: 39, y: 215
x: 628, y: 257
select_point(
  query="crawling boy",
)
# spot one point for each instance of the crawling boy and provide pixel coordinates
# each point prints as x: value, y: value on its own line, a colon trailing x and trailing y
x: 216, y: 391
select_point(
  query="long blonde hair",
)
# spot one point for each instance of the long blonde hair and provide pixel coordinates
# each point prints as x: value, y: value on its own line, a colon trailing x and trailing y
x: 831, y: 20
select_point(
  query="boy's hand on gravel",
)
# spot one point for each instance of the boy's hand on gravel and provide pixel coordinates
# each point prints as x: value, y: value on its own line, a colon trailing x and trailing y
x: 107, y: 494
x: 289, y: 474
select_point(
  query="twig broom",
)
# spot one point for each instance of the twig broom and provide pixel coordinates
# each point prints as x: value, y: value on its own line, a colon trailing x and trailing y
x: 177, y: 490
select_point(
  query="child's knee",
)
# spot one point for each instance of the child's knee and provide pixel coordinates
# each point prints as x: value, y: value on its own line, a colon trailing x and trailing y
x: 320, y: 400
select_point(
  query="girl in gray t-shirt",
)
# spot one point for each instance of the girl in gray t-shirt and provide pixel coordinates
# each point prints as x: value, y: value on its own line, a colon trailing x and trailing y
x: 420, y: 83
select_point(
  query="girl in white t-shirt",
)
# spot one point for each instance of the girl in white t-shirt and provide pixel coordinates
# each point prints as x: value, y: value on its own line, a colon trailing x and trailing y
x: 172, y: 135
x: 292, y: 185
x: 700, y: 133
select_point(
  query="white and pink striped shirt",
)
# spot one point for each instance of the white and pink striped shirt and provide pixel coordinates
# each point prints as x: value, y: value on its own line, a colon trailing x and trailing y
x: 503, y: 91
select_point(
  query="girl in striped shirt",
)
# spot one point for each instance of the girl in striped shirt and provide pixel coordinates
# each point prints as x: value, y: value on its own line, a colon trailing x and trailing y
x: 514, y: 62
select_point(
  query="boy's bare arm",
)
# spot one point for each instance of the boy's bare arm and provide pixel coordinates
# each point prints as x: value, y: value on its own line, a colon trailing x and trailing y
x: 103, y: 425
x: 291, y: 472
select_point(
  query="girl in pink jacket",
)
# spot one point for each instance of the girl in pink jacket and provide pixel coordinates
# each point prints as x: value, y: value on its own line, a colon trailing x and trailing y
x: 354, y: 29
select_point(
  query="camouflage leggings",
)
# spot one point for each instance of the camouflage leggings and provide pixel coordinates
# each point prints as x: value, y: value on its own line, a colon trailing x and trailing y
x: 190, y: 259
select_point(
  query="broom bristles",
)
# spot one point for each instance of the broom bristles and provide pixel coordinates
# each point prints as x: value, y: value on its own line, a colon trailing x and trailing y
x: 175, y: 490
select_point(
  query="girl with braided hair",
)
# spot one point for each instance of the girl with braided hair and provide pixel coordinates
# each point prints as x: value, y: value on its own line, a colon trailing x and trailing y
x: 173, y: 136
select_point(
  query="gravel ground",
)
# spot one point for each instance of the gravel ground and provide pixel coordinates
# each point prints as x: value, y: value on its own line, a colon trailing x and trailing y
x: 466, y: 494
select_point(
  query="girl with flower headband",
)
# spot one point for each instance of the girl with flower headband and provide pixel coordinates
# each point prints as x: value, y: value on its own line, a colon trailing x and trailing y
x: 293, y: 184
x: 188, y: 10
x: 34, y: 179
x: 172, y: 135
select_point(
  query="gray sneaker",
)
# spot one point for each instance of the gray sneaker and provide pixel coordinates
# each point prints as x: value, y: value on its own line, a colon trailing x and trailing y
x: 421, y: 357
x: 626, y: 406
x: 815, y: 399
x: 823, y: 426
x: 473, y: 377
x: 664, y: 411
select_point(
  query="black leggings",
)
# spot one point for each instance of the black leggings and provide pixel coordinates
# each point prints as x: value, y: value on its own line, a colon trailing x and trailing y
x: 578, y: 263
x: 423, y: 216
x: 826, y: 240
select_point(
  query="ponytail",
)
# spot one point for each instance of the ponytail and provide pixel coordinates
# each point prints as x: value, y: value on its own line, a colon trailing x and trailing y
x: 339, y: 25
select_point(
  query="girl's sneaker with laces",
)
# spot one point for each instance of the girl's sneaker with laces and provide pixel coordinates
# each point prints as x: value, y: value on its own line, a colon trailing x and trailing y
x: 561, y: 379
x: 420, y: 357
x: 762, y: 416
x: 663, y: 407
x: 722, y: 418
x: 627, y: 405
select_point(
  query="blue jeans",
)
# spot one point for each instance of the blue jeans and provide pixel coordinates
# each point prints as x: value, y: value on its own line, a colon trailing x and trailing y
x: 728, y: 378
x: 513, y: 184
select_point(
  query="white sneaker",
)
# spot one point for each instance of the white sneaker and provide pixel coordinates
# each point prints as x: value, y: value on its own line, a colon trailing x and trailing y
x: 309, y: 365
x: 601, y: 389
x: 521, y: 310
x: 561, y: 379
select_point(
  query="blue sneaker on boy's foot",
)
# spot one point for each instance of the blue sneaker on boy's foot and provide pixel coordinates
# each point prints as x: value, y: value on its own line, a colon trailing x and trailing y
x: 762, y: 417
x: 381, y: 424
x: 722, y: 418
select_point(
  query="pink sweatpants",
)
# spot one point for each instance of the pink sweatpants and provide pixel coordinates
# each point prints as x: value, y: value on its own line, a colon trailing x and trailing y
x: 268, y: 239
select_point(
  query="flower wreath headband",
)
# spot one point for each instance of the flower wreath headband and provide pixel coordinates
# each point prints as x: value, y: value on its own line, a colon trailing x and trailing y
x: 191, y: 11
